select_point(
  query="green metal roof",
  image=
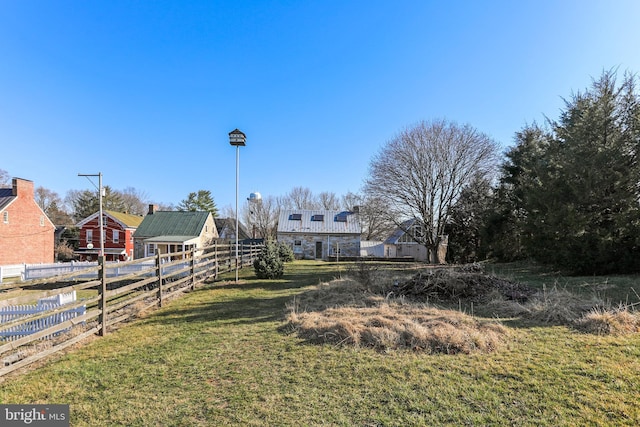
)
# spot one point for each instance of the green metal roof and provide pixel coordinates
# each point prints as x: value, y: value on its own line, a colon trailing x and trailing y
x: 172, y: 223
x: 170, y: 239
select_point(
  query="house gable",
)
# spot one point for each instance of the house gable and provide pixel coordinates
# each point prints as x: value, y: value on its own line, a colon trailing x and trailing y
x: 227, y: 229
x: 173, y: 231
x: 27, y: 234
x: 118, y: 242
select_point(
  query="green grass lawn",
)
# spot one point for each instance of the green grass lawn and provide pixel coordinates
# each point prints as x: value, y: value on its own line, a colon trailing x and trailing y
x: 221, y: 356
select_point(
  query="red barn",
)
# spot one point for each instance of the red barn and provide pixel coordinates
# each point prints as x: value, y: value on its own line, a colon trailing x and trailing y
x: 118, y: 236
x: 26, y: 233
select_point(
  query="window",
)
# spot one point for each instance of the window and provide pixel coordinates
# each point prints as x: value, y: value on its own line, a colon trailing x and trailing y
x: 340, y: 218
x: 317, y: 217
x: 295, y: 217
x: 5, y: 217
x: 89, y: 236
x: 41, y: 220
x: 298, y: 243
x: 151, y: 249
x: 116, y: 236
x: 415, y: 234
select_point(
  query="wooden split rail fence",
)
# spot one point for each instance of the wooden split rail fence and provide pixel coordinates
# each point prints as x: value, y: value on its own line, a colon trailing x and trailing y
x: 105, y: 300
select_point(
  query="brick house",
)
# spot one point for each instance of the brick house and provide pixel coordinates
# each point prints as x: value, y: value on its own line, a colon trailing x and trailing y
x: 118, y: 236
x: 173, y: 231
x: 26, y: 233
x: 320, y: 234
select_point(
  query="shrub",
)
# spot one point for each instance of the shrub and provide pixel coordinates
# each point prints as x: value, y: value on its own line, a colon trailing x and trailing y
x: 285, y: 252
x: 269, y: 264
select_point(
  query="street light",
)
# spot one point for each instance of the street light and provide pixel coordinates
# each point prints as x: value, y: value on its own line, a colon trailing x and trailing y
x: 238, y: 139
x: 100, y: 194
x: 103, y: 289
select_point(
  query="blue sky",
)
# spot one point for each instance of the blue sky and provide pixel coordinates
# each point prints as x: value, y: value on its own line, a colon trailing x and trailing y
x: 146, y: 92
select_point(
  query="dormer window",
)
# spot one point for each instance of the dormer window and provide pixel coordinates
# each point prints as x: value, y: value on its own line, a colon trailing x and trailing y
x: 341, y: 217
x: 317, y: 217
x: 295, y: 217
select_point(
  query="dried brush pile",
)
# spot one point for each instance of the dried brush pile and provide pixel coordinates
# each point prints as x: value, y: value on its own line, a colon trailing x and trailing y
x: 451, y: 285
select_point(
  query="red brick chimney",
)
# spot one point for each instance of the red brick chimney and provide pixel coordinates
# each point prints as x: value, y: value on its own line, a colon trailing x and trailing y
x: 23, y: 187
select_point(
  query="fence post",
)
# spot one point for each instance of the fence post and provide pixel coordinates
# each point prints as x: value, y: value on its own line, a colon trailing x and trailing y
x: 193, y: 269
x: 241, y: 255
x: 159, y: 269
x: 215, y: 261
x: 103, y: 296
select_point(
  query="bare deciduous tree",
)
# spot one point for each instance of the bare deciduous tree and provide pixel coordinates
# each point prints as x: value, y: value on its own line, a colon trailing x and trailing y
x: 300, y: 198
x: 421, y: 172
x: 328, y: 201
x: 372, y: 214
x: 4, y: 178
x: 261, y: 217
x: 135, y: 202
x: 51, y: 203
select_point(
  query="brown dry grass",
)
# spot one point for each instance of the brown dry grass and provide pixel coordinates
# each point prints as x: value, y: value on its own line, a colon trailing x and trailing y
x: 397, y: 327
x: 615, y: 322
x: 344, y: 312
x: 556, y: 306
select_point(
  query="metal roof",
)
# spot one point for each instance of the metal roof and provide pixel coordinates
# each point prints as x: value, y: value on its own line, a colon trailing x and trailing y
x: 227, y: 228
x: 399, y: 232
x: 126, y: 220
x: 333, y: 222
x: 6, y: 197
x: 185, y: 224
x: 171, y: 239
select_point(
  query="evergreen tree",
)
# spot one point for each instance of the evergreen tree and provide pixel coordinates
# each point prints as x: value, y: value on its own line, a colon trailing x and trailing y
x: 269, y: 264
x: 578, y: 185
x: 86, y: 203
x: 202, y: 201
x: 466, y: 223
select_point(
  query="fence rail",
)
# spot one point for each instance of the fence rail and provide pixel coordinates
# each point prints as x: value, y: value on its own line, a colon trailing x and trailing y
x: 113, y: 293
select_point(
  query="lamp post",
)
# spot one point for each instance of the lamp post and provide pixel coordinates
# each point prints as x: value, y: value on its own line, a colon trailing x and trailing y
x: 238, y: 139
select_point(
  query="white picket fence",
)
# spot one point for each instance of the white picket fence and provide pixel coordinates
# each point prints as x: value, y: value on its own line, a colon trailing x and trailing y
x: 10, y: 313
x: 13, y: 270
x: 43, y: 271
